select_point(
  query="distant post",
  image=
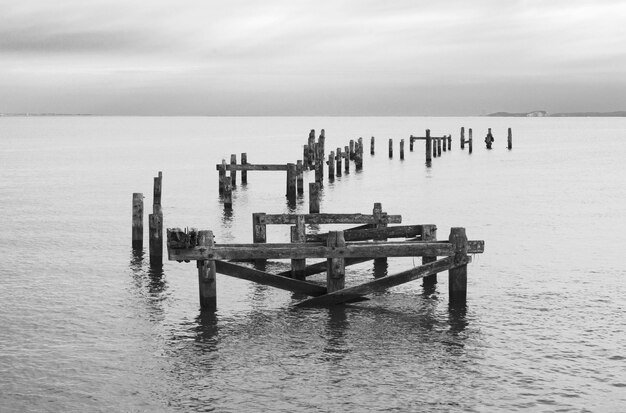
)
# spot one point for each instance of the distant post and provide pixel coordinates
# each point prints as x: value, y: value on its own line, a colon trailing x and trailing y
x: 338, y: 157
x: 300, y: 177
x: 402, y: 149
x: 331, y: 166
x: 314, y: 198
x: 390, y: 148
x: 463, y: 137
x: 137, y: 225
x: 510, y: 140
x: 244, y: 173
x: 372, y: 146
x: 428, y: 147
x: 469, y: 132
x: 233, y: 171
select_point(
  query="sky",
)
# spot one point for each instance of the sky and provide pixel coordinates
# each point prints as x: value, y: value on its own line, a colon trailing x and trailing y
x: 319, y: 58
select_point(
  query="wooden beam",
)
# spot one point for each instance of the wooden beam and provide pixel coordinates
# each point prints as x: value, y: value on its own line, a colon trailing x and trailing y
x: 253, y: 167
x: 320, y: 267
x: 383, y: 283
x: 261, y: 277
x: 403, y: 231
x: 290, y: 219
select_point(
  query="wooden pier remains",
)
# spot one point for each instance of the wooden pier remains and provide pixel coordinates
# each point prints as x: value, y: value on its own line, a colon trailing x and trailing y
x: 338, y: 251
x: 509, y: 140
x: 434, y: 145
x: 468, y: 141
x: 137, y: 221
x: 155, y: 224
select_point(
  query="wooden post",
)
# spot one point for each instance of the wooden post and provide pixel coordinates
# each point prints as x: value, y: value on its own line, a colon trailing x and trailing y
x: 233, y: 172
x: 510, y: 140
x: 228, y: 194
x: 429, y: 143
x: 457, y: 277
x: 429, y: 233
x: 312, y: 149
x: 449, y: 142
x: 463, y: 137
x: 320, y: 147
x: 401, y: 149
x: 155, y: 242
x: 335, y: 267
x: 434, y: 147
x: 331, y: 166
x: 137, y: 225
x: 351, y: 149
x: 390, y: 148
x: 259, y: 232
x: 372, y: 146
x: 338, y: 160
x: 347, y: 158
x: 291, y: 180
x: 222, y: 176
x: 156, y: 199
x: 377, y: 211
x: 206, y: 275
x: 411, y: 143
x: 305, y: 157
x: 443, y: 142
x: 438, y: 146
x: 358, y: 155
x: 469, y: 133
x: 244, y: 173
x: 298, y: 235
x: 314, y: 198
x: 300, y: 177
x: 319, y: 175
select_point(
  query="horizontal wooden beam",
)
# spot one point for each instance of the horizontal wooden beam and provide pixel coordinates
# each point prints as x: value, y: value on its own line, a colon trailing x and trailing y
x: 383, y: 283
x: 413, y: 138
x: 290, y: 219
x: 404, y: 231
x: 312, y: 250
x: 261, y: 277
x: 475, y: 247
x: 320, y: 267
x: 252, y: 167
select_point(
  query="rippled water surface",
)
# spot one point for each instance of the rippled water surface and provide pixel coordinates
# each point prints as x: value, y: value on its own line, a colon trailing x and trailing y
x: 86, y: 325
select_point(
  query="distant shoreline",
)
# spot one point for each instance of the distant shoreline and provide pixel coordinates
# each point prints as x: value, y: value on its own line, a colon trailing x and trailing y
x: 544, y: 114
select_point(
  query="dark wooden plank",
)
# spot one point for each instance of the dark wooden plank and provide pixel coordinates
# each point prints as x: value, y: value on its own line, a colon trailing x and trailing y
x: 383, y: 283
x: 475, y: 247
x: 320, y: 267
x: 325, y: 218
x: 253, y: 167
x: 261, y: 277
x: 403, y: 231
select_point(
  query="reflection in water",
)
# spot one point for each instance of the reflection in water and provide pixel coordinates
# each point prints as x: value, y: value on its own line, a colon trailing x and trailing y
x: 336, y: 328
x: 149, y: 283
x: 227, y: 215
x: 457, y: 312
x: 381, y: 267
x: 206, y: 330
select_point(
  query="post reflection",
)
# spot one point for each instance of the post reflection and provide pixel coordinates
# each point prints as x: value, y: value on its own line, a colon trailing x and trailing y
x: 206, y: 330
x: 336, y: 328
x: 381, y: 268
x: 457, y: 317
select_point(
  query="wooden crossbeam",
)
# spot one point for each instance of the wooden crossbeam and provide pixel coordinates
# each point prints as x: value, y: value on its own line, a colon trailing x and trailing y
x: 404, y: 231
x: 265, y: 278
x: 413, y: 138
x: 320, y: 219
x: 320, y: 267
x: 383, y: 283
x: 252, y: 167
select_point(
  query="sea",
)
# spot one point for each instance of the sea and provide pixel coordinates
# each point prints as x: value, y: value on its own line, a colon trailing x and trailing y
x: 86, y: 325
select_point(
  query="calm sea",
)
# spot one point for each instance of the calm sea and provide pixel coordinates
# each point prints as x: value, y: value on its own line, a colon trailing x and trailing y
x: 85, y: 325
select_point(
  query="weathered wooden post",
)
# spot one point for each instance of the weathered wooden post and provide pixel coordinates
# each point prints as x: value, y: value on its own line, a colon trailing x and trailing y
x: 305, y: 157
x: 346, y: 155
x: 331, y: 166
x: 372, y: 146
x: 489, y: 139
x: 228, y: 194
x: 411, y: 143
x: 314, y: 198
x: 351, y: 149
x: 300, y: 178
x: 444, y: 139
x: 233, y: 171
x: 156, y: 194
x: 155, y: 224
x: 510, y: 140
x: 378, y: 214
x: 206, y: 274
x: 390, y: 148
x: 358, y: 155
x: 298, y: 235
x: 291, y: 180
x: 335, y: 267
x: 457, y: 277
x: 435, y: 147
x: 319, y: 176
x: 244, y: 173
x: 463, y: 137
x: 137, y: 223
x: 312, y: 149
x: 338, y: 157
x: 428, y: 147
x: 321, y: 157
x: 449, y: 142
x: 429, y: 233
x: 439, y: 146
x: 259, y: 232
x: 222, y: 176
x: 401, y: 149
x: 469, y: 133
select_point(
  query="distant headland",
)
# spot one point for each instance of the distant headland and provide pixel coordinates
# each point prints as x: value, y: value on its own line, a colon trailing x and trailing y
x: 543, y: 113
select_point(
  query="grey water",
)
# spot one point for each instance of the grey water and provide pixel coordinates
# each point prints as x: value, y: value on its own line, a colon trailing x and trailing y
x: 86, y: 325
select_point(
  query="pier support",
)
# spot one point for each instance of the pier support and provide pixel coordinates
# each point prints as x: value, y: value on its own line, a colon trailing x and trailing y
x: 298, y: 235
x: 335, y: 267
x: 314, y: 197
x: 401, y: 149
x: 206, y: 275
x: 372, y: 146
x: 510, y: 140
x: 429, y: 233
x: 429, y: 143
x: 244, y: 173
x: 338, y: 157
x: 137, y: 223
x: 457, y: 277
x: 390, y: 148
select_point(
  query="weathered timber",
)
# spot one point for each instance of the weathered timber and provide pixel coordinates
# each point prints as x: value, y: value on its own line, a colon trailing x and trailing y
x: 463, y: 137
x: 403, y: 231
x: 156, y: 198
x: 321, y: 142
x: 346, y: 155
x: 305, y: 157
x: 228, y: 194
x: 338, y: 157
x: 435, y: 140
x: 326, y: 218
x: 429, y: 233
x: 358, y: 156
x: 298, y: 236
x: 272, y: 280
x: 335, y: 267
x: 292, y: 176
x: 300, y: 177
x: 449, y: 142
x: 372, y: 146
x: 319, y: 172
x: 351, y: 149
x: 509, y: 139
x: 311, y: 146
x: 374, y: 249
x: 244, y: 172
x: 320, y: 267
x: 411, y: 143
x: 390, y: 148
x: 259, y: 232
x: 378, y: 214
x: 331, y: 166
x: 253, y: 167
x: 457, y: 276
x: 428, y: 147
x: 222, y: 175
x: 233, y: 172
x: 137, y: 221
x: 383, y: 283
x: 469, y: 140
x: 206, y: 274
x: 155, y: 242
x: 314, y: 197
x: 401, y: 149
x: 443, y: 143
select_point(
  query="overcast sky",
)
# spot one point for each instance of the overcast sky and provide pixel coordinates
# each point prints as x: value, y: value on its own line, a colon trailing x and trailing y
x: 291, y: 57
